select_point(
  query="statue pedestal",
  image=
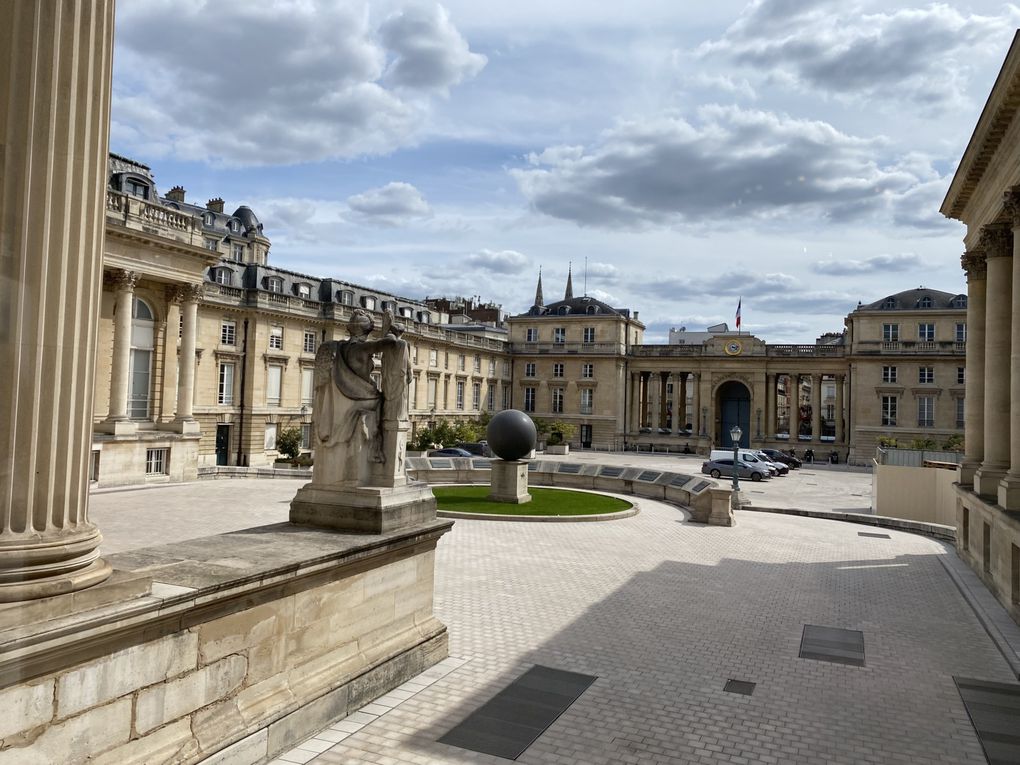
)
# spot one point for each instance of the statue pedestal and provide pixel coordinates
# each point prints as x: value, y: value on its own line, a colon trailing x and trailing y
x: 367, y: 509
x: 509, y: 482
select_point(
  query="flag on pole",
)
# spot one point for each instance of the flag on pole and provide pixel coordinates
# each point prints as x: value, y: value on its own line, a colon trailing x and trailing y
x: 739, y: 301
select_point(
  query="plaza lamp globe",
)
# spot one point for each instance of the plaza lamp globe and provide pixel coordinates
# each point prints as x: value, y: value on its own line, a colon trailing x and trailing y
x: 735, y: 434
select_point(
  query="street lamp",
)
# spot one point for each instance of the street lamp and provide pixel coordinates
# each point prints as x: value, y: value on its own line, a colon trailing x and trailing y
x: 735, y: 434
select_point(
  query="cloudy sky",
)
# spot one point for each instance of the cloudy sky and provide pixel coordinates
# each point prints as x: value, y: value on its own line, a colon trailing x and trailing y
x: 792, y: 153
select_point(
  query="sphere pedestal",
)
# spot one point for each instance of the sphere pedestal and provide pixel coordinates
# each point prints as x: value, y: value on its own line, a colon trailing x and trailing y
x: 509, y: 482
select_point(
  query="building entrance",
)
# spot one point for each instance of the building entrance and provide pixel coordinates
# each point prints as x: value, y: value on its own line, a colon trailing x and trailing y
x: 734, y: 408
x: 222, y: 444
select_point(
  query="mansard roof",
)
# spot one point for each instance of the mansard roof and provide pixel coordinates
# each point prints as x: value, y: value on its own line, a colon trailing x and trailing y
x: 921, y: 298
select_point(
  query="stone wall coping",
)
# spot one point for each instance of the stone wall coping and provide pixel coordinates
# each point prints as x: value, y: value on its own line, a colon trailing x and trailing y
x: 936, y: 530
x: 191, y: 582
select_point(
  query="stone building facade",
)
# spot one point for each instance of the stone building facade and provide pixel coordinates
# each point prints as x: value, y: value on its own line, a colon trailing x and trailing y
x: 985, y: 196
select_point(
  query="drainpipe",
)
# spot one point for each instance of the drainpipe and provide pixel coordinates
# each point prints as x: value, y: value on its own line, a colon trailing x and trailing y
x: 240, y: 406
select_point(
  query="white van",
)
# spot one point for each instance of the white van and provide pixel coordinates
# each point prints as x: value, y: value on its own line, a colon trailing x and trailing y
x: 747, y: 456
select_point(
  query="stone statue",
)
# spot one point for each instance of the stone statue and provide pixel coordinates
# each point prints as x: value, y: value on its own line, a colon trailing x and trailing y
x: 353, y: 420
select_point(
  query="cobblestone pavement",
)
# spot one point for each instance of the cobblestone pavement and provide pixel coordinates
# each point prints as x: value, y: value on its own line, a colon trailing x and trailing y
x: 663, y: 612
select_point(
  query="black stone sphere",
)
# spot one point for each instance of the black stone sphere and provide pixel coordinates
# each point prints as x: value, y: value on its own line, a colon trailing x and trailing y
x: 511, y: 434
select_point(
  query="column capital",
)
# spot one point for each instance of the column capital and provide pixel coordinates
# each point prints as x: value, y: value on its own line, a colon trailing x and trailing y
x: 996, y: 241
x: 120, y: 279
x: 975, y: 264
x: 1011, y: 203
x: 184, y: 293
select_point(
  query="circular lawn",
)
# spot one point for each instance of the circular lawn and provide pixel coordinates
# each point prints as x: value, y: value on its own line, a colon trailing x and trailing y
x: 544, y: 502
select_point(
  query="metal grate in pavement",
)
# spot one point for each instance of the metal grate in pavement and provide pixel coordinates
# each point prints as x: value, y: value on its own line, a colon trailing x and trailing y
x: 994, y: 710
x: 832, y: 644
x: 510, y: 721
x: 872, y: 534
x: 742, y: 687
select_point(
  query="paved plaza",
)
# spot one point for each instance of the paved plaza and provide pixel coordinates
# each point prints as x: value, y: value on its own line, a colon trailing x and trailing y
x: 663, y: 612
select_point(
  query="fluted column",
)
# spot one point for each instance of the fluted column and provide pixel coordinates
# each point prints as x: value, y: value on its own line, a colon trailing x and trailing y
x: 995, y: 241
x: 655, y: 398
x: 55, y: 97
x: 123, y: 284
x: 816, y: 407
x: 635, y: 401
x: 840, y: 429
x: 793, y: 396
x: 185, y: 420
x: 683, y: 400
x: 771, y: 422
x: 644, y: 399
x: 697, y: 424
x: 663, y: 399
x: 1009, y: 489
x: 678, y: 403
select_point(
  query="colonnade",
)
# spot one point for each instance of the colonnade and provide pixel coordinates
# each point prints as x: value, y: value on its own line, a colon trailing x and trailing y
x: 992, y: 437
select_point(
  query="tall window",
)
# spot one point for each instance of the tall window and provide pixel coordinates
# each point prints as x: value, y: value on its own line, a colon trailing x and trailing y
x: 888, y: 374
x: 492, y: 367
x: 460, y: 394
x: 307, y: 386
x: 461, y: 362
x: 157, y: 461
x: 212, y: 245
x: 367, y: 301
x: 274, y: 381
x: 276, y: 338
x: 140, y: 372
x: 891, y: 333
x: 560, y: 335
x: 587, y: 371
x: 589, y: 334
x: 223, y: 276
x: 433, y: 357
x: 490, y: 398
x: 309, y: 344
x: 432, y: 393
x: 959, y: 412
x: 478, y: 363
x: 557, y: 400
x: 306, y: 435
x: 226, y: 387
x: 304, y: 291
x: 476, y: 396
x: 926, y: 374
x: 925, y: 411
x: 228, y: 333
x: 346, y: 298
x: 587, y: 398
x: 961, y: 332
x: 506, y: 397
x: 961, y: 375
x: 529, y: 399
x: 506, y: 369
x: 531, y: 335
x: 889, y: 410
x: 269, y: 437
x: 529, y: 369
x: 557, y: 369
x: 925, y: 332
x: 238, y: 250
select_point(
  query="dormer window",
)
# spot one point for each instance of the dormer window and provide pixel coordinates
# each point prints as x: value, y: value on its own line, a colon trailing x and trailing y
x: 406, y: 312
x: 389, y: 305
x: 367, y: 301
x: 304, y: 291
x: 889, y: 303
x: 423, y: 317
x: 235, y: 227
x: 222, y: 275
x: 136, y: 188
x: 924, y: 302
x: 592, y: 309
x: 960, y: 301
x: 564, y: 310
x: 274, y: 284
x: 208, y: 219
x: 346, y: 298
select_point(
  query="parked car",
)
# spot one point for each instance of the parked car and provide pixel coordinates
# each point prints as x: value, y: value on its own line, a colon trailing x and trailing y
x: 780, y: 468
x: 748, y: 457
x: 450, y: 451
x: 787, y: 459
x: 721, y: 467
x: 479, y: 449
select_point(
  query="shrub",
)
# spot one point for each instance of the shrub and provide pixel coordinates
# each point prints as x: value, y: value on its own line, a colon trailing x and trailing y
x: 288, y: 442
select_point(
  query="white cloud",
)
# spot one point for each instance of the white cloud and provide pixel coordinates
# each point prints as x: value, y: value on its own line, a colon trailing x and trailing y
x: 876, y: 264
x: 500, y: 262
x: 242, y: 83
x: 915, y: 54
x: 390, y: 205
x: 732, y: 164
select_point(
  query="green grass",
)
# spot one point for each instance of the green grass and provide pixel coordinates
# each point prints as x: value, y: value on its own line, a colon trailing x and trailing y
x: 472, y: 499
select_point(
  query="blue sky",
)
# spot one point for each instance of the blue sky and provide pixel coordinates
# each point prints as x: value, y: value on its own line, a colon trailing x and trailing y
x: 789, y: 152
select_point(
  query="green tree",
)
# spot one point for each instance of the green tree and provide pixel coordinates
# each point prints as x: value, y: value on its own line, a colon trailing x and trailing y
x: 288, y: 442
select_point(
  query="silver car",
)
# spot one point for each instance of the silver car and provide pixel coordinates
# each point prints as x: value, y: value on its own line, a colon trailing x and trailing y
x: 721, y: 467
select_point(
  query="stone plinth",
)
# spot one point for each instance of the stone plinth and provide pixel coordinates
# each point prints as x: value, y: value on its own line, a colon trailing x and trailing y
x: 509, y: 482
x: 369, y: 509
x: 722, y: 508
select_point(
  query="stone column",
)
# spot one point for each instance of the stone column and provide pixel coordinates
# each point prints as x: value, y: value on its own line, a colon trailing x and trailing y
x: 771, y: 422
x: 644, y: 399
x: 697, y: 423
x: 635, y: 401
x: 1009, y: 489
x: 816, y: 407
x: 117, y: 421
x: 974, y: 264
x: 55, y: 94
x: 654, y: 396
x: 840, y: 429
x: 793, y: 399
x: 663, y: 398
x: 683, y: 400
x: 185, y: 420
x: 995, y: 241
x: 678, y: 403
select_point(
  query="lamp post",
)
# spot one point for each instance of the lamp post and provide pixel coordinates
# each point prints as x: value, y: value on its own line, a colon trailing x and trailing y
x: 735, y: 434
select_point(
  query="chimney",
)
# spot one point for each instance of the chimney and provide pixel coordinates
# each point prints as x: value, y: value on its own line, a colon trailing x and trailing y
x: 176, y: 194
x: 216, y: 205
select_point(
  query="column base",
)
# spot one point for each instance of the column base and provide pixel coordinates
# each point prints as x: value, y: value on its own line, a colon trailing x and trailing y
x: 509, y: 482
x: 186, y: 427
x: 1009, y: 492
x: 369, y: 509
x: 48, y: 587
x: 117, y: 427
x: 34, y: 565
x: 967, y: 471
x: 987, y: 478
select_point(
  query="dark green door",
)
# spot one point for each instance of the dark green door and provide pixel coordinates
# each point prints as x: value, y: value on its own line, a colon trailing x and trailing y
x: 222, y: 444
x: 735, y: 409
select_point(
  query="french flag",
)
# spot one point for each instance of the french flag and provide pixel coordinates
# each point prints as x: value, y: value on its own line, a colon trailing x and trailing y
x: 739, y: 301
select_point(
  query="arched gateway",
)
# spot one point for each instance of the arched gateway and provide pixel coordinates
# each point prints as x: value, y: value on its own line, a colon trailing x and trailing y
x: 733, y: 407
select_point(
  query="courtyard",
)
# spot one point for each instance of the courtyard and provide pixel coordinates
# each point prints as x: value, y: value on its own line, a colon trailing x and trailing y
x: 663, y: 613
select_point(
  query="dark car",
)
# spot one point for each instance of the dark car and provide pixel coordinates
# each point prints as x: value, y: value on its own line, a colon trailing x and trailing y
x: 777, y: 456
x: 450, y: 451
x: 479, y: 449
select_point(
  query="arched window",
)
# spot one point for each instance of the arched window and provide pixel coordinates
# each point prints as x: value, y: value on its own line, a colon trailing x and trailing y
x: 564, y: 310
x: 208, y: 218
x: 960, y: 301
x: 367, y: 301
x: 593, y: 309
x: 142, y: 343
x: 423, y: 317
